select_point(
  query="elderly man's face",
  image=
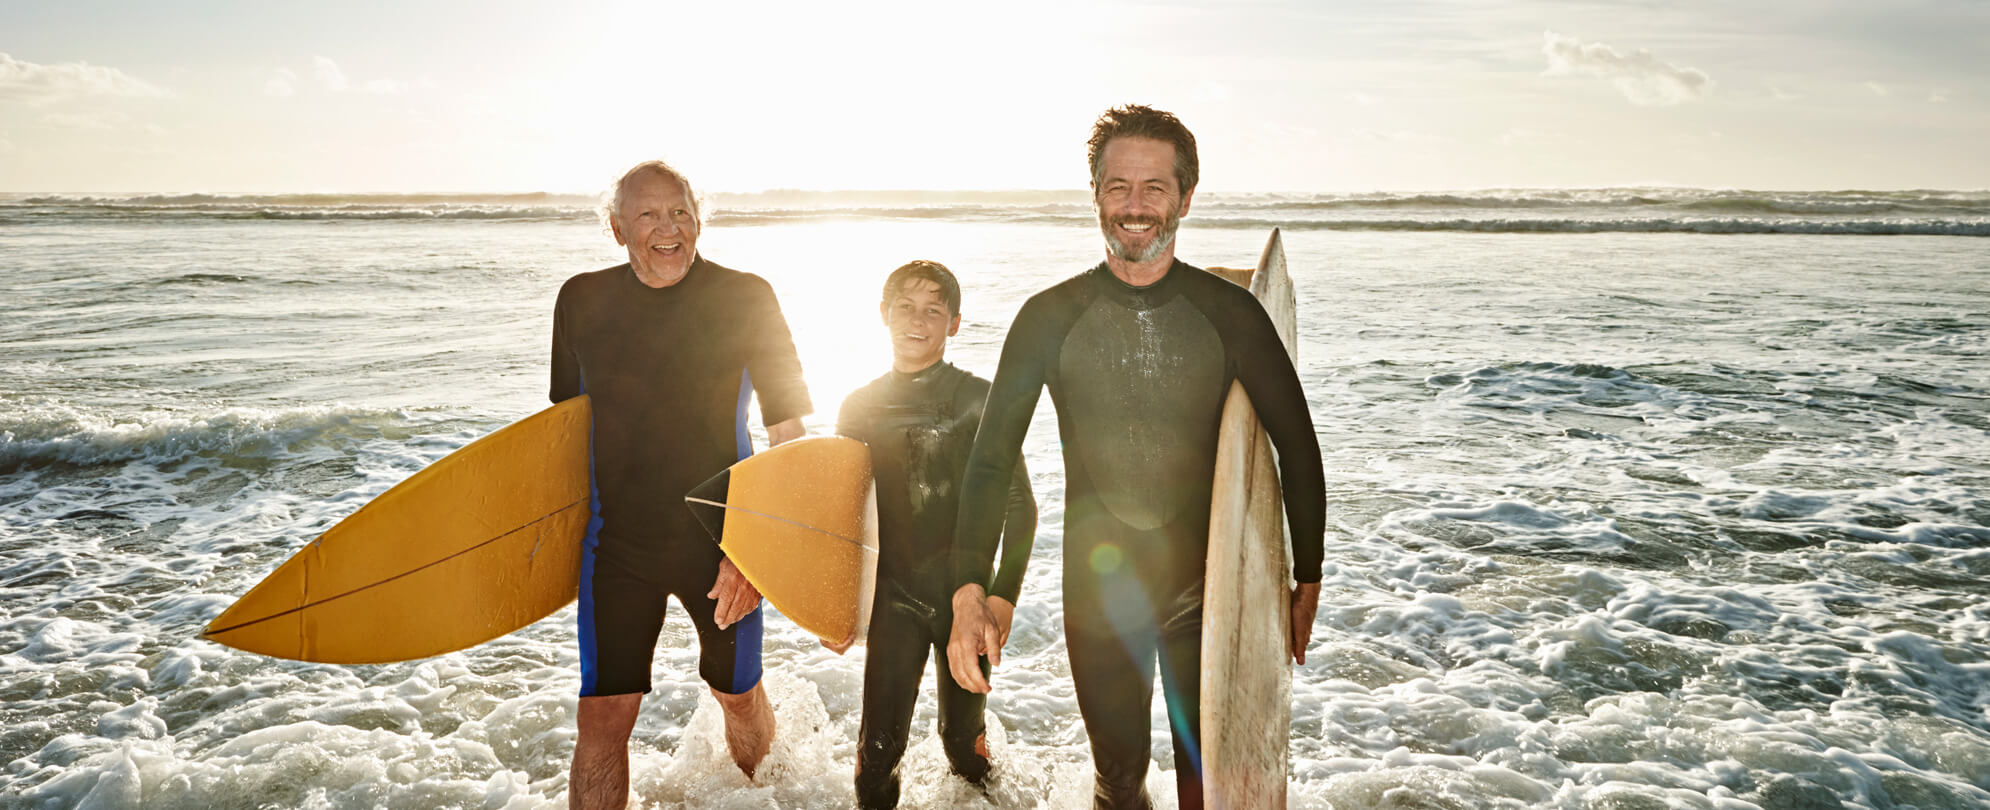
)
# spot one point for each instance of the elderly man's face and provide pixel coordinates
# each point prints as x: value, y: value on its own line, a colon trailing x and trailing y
x: 656, y: 225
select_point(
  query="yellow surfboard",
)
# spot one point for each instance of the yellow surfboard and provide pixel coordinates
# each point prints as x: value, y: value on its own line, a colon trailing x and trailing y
x: 477, y: 545
x: 1247, y: 601
x: 800, y: 522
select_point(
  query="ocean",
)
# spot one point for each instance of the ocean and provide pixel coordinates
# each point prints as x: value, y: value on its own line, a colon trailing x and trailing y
x: 1638, y: 498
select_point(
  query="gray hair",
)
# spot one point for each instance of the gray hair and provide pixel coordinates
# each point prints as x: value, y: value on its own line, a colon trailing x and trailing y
x: 611, y: 200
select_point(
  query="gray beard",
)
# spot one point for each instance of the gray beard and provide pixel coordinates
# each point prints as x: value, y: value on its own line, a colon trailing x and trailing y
x: 1169, y: 224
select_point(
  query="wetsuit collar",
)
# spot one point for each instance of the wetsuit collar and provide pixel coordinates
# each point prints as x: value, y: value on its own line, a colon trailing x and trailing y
x: 1148, y: 297
x: 691, y: 275
x: 922, y: 376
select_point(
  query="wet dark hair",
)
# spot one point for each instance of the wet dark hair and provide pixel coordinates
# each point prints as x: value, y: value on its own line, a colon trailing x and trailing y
x: 929, y: 271
x: 1141, y: 121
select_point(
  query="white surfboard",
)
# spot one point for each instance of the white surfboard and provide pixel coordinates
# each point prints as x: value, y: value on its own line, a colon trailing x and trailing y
x: 1247, y: 598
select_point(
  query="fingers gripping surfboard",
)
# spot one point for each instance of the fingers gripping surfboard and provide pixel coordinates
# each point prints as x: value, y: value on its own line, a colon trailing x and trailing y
x: 481, y: 543
x: 1246, y: 613
x: 799, y: 520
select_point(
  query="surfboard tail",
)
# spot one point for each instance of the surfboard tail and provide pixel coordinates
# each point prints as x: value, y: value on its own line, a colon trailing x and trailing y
x: 707, y: 502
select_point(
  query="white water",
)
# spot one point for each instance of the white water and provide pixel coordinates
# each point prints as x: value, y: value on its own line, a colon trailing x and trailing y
x: 1617, y: 520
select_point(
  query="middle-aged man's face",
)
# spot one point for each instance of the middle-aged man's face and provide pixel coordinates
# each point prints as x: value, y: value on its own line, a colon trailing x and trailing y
x: 920, y: 324
x: 655, y: 223
x: 1139, y: 201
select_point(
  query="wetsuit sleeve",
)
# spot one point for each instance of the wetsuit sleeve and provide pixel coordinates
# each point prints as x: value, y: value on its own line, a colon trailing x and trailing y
x: 566, y: 368
x: 1273, y: 385
x: 1018, y: 516
x: 776, y: 370
x: 1018, y: 536
x: 846, y: 416
x: 996, y: 460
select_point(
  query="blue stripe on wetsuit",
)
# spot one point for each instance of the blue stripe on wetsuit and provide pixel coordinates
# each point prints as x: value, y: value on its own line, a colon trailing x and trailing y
x: 747, y: 631
x: 588, y: 673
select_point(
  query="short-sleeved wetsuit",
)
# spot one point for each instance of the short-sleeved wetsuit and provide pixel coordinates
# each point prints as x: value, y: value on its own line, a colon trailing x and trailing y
x: 670, y: 371
x: 920, y: 427
x: 1138, y: 376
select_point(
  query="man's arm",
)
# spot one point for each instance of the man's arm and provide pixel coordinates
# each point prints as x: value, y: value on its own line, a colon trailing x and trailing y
x: 1018, y: 538
x: 775, y: 368
x: 991, y: 471
x: 566, y: 369
x: 785, y: 431
x: 1273, y: 385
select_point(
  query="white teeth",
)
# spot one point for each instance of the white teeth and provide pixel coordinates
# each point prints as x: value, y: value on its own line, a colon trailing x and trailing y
x: 1136, y: 228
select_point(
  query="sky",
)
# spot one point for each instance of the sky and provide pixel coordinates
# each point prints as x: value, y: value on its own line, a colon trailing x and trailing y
x: 1283, y: 95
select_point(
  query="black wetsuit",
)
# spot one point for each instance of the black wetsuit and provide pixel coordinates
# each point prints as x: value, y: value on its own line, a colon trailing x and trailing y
x: 920, y: 427
x: 670, y: 371
x: 1138, y: 376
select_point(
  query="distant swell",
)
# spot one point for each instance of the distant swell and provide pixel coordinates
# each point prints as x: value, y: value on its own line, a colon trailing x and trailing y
x: 1617, y: 210
x: 1707, y: 226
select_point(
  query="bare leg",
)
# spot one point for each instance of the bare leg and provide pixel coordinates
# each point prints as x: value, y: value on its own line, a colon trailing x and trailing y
x: 600, y: 776
x: 749, y: 726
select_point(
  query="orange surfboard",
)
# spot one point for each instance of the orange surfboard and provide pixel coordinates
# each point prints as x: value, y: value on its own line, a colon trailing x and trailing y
x: 799, y: 520
x: 481, y: 543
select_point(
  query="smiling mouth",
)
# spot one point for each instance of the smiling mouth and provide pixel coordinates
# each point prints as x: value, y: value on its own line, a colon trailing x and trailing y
x: 1136, y: 227
x: 673, y: 247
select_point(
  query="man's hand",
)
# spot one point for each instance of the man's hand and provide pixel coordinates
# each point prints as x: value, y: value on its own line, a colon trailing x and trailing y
x: 736, y: 596
x: 975, y: 634
x: 784, y: 431
x: 1305, y: 605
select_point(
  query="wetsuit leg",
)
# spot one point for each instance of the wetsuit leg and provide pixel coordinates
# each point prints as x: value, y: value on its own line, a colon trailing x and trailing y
x: 962, y: 720
x: 896, y: 660
x: 620, y: 618
x: 1113, y: 673
x: 729, y: 658
x: 1181, y: 687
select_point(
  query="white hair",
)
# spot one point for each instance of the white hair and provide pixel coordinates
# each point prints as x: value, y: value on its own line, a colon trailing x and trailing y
x: 611, y: 200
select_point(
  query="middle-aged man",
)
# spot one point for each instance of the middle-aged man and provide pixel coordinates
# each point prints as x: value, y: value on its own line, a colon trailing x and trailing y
x: 669, y: 347
x: 1138, y: 353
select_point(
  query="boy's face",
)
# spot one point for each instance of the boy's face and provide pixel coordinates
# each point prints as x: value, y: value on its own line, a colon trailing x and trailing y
x: 919, y: 323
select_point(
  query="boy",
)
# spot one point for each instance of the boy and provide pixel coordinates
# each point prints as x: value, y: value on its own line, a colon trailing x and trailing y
x: 919, y: 421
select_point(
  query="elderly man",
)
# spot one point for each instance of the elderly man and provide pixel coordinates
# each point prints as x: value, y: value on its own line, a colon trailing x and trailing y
x: 1138, y: 353
x: 670, y: 348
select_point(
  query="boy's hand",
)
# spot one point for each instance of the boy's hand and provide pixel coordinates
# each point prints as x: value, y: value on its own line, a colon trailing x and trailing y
x: 1004, y: 612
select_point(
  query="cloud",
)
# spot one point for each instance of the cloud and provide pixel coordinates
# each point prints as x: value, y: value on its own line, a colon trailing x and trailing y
x: 332, y: 78
x: 1938, y: 95
x: 1877, y: 88
x: 38, y: 84
x: 1641, y: 77
x: 282, y: 82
